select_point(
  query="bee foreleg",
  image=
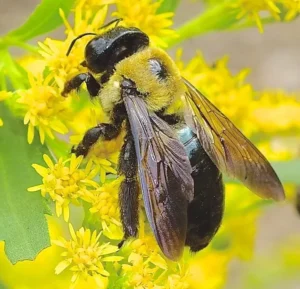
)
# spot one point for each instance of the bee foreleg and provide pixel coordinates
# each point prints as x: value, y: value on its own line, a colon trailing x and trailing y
x: 92, y: 84
x: 105, y: 131
x: 129, y: 189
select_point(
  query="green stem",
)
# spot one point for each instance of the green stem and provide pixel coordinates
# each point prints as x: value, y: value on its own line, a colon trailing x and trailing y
x: 10, y: 41
x: 218, y: 17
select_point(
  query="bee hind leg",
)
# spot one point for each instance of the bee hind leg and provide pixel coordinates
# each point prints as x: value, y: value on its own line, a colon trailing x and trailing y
x: 93, y: 86
x: 129, y: 189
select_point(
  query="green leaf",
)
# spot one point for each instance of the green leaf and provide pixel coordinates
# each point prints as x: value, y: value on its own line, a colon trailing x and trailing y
x: 23, y: 225
x: 218, y: 17
x: 44, y: 19
x: 168, y: 6
x: 11, y: 71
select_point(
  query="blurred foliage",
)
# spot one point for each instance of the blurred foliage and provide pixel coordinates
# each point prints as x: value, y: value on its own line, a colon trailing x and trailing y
x: 30, y: 89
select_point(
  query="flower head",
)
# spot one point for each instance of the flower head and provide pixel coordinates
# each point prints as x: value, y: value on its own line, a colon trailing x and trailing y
x: 85, y: 256
x: 105, y: 205
x: 44, y: 108
x: 230, y: 93
x: 65, y: 182
x: 61, y: 65
x: 143, y: 14
x: 253, y: 9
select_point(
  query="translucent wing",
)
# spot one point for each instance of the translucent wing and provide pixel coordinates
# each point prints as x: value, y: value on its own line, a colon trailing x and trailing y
x: 165, y: 176
x: 228, y: 148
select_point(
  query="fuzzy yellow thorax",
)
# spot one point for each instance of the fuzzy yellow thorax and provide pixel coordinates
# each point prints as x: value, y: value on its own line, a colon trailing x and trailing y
x: 160, y: 93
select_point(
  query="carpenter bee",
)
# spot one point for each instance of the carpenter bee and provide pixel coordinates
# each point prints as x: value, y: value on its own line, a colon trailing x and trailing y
x: 177, y: 143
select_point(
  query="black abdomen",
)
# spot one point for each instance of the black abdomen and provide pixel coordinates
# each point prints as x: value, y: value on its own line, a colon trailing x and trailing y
x: 205, y: 212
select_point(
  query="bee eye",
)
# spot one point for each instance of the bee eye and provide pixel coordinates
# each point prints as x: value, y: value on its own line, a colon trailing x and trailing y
x: 158, y: 69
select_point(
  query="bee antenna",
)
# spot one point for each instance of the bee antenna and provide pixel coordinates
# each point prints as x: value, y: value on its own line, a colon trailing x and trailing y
x: 78, y: 37
x: 117, y: 21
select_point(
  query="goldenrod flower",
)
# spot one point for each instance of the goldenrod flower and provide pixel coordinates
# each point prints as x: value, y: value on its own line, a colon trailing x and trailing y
x: 65, y: 182
x: 59, y: 64
x: 276, y: 111
x: 143, y: 14
x: 105, y: 166
x: 44, y: 108
x: 230, y: 93
x: 85, y: 256
x: 140, y: 274
x: 105, y: 205
x: 54, y: 51
x: 92, y: 5
x: 293, y: 8
x: 33, y: 63
x: 209, y: 269
x: 253, y: 9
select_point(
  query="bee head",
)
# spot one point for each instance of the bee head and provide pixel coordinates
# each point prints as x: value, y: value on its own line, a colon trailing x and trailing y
x: 104, y: 51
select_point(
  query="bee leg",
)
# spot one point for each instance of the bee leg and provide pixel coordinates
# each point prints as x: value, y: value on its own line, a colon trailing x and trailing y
x: 105, y: 131
x: 92, y: 84
x: 129, y: 189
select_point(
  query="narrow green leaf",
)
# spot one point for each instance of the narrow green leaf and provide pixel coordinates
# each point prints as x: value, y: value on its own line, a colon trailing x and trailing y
x: 23, y: 225
x: 12, y: 71
x: 168, y: 6
x: 217, y: 17
x: 44, y: 19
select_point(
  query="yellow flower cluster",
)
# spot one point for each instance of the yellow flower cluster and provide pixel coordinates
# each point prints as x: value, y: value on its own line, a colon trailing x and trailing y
x: 144, y: 16
x: 45, y: 108
x: 86, y: 256
x: 65, y: 182
x: 139, y: 263
x: 228, y: 92
x: 254, y: 8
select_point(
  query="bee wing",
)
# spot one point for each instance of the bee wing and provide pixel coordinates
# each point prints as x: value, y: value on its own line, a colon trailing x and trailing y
x: 165, y: 176
x: 228, y: 148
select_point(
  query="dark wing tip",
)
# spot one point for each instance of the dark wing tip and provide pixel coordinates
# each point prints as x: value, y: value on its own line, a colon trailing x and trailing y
x: 271, y: 189
x: 276, y: 192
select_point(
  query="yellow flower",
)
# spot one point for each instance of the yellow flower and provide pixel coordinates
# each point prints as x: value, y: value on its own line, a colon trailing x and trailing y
x: 54, y: 52
x: 45, y: 108
x: 277, y: 111
x: 143, y: 15
x: 234, y: 239
x: 208, y: 270
x: 105, y: 204
x: 32, y: 63
x: 140, y: 274
x: 253, y: 9
x: 65, y: 183
x: 293, y: 8
x: 85, y: 256
x: 227, y: 92
x: 59, y: 64
x: 92, y: 5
